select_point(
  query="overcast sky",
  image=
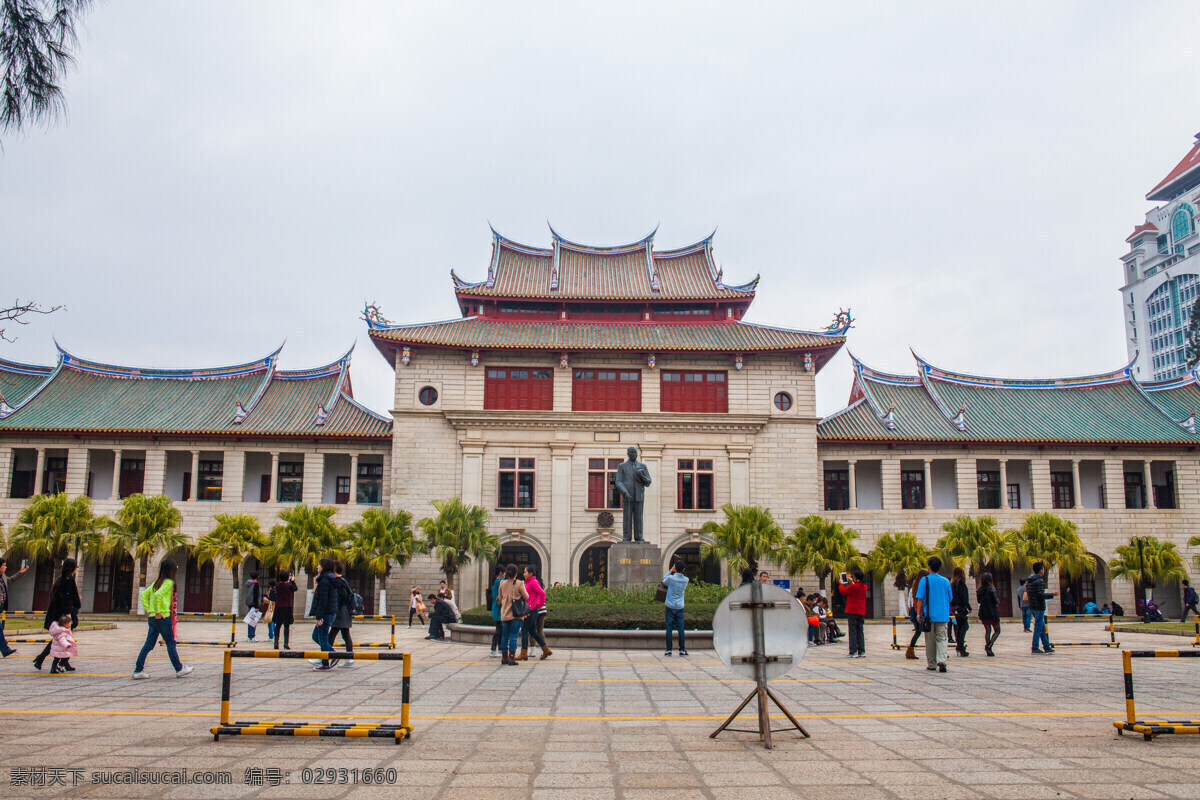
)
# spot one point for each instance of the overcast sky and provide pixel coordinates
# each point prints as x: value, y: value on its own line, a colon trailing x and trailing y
x: 963, y: 177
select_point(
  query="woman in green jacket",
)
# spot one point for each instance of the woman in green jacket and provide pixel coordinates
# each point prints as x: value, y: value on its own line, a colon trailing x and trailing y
x: 156, y: 599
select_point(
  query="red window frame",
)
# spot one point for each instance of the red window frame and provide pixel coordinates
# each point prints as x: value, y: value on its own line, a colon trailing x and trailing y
x: 518, y: 389
x: 606, y: 390
x: 602, y: 488
x: 1062, y: 489
x: 694, y: 391
x: 516, y: 483
x: 912, y: 489
x: 695, y: 485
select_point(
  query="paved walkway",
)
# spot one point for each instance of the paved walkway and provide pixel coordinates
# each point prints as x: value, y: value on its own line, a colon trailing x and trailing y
x: 586, y: 725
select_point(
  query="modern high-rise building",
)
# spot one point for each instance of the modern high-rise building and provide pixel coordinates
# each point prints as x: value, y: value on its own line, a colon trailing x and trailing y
x: 1161, y: 273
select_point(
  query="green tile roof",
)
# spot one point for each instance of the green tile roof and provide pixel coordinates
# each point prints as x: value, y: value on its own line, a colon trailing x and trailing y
x: 1180, y: 398
x: 254, y: 399
x: 939, y: 405
x: 17, y: 381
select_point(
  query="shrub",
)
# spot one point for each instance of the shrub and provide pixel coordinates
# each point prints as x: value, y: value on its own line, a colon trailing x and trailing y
x: 615, y: 616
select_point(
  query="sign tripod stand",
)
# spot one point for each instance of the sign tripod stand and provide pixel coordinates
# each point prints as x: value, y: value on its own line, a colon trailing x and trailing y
x: 759, y: 659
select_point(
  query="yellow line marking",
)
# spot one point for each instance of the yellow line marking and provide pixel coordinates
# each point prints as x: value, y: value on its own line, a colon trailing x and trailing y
x: 690, y: 680
x: 76, y: 674
x: 572, y: 718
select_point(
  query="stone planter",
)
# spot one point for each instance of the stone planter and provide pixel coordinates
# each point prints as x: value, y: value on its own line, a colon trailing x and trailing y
x: 582, y: 639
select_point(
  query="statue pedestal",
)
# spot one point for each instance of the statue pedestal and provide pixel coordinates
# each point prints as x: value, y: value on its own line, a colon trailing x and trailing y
x: 633, y: 564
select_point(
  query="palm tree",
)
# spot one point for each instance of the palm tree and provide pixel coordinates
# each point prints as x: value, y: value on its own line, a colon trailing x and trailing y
x: 976, y: 542
x: 820, y: 545
x: 379, y: 538
x: 235, y: 538
x: 898, y: 554
x: 1162, y: 562
x: 1054, y: 541
x: 306, y: 536
x: 458, y: 535
x: 143, y: 526
x: 1195, y: 540
x: 48, y: 526
x: 748, y: 535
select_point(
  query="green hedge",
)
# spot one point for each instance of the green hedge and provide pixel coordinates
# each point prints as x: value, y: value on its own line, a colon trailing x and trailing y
x: 623, y: 616
x: 594, y: 607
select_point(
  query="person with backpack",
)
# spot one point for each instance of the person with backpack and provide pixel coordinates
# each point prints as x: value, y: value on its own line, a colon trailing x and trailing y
x: 343, y: 620
x: 1189, y: 600
x: 252, y: 599
x: 324, y: 609
x: 933, y: 611
x: 960, y: 604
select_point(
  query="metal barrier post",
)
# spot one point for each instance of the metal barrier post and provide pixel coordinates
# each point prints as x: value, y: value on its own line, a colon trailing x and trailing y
x: 392, y: 646
x: 1127, y: 663
x: 226, y: 679
x: 4, y: 620
x: 404, y: 690
x: 1152, y: 727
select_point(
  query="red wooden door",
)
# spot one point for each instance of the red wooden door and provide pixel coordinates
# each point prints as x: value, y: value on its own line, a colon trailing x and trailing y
x: 264, y: 492
x: 198, y: 585
x: 133, y: 475
x: 1002, y: 578
x: 43, y: 581
x: 342, y: 490
x: 102, y: 599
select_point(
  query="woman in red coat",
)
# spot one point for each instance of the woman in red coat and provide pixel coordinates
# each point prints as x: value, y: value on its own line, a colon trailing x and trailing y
x: 855, y: 592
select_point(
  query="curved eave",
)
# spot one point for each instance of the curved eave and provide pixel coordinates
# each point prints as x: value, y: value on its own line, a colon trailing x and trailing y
x: 720, y: 293
x: 1122, y: 375
x: 223, y: 433
x: 616, y: 249
x: 71, y: 361
x: 969, y: 441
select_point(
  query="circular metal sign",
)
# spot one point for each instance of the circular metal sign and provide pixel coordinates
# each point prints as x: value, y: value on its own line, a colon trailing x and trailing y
x: 785, y: 631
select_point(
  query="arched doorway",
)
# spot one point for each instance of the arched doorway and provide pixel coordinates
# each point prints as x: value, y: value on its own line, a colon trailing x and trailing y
x: 697, y: 569
x: 1086, y: 588
x: 593, y: 564
x: 523, y: 555
x: 197, y: 586
x: 114, y: 585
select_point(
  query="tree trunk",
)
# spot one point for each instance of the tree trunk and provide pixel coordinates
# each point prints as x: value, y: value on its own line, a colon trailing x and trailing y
x: 237, y: 586
x: 381, y: 609
x: 144, y: 565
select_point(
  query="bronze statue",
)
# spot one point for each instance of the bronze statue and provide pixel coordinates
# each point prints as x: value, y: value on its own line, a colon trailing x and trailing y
x: 632, y: 480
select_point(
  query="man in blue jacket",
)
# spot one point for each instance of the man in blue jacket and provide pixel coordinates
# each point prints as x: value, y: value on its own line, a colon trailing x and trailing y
x: 933, y: 603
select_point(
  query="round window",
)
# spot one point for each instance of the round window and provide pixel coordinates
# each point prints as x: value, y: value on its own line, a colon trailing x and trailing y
x: 783, y: 401
x: 428, y: 396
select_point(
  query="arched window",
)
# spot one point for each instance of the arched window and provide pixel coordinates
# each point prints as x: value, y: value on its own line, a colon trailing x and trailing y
x: 1182, y: 225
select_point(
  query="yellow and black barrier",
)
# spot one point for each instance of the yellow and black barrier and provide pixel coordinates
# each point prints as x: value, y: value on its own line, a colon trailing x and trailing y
x: 1151, y: 727
x: 1196, y: 641
x: 233, y: 621
x: 1112, y: 631
x: 389, y: 645
x: 895, y: 641
x: 4, y: 618
x: 353, y: 730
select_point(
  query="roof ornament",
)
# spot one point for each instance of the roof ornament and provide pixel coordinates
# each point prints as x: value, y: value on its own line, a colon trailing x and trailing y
x: 5, y: 408
x: 650, y: 362
x: 239, y: 414
x: 1189, y: 423
x: 405, y: 355
x: 889, y: 419
x: 563, y: 363
x: 842, y: 321
x: 373, y: 316
x: 554, y: 264
x: 960, y: 419
x: 737, y: 362
x: 322, y: 414
x: 808, y: 362
x: 474, y: 358
x: 651, y: 267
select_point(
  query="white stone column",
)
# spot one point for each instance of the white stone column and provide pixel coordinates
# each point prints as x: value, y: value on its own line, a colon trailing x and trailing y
x: 852, y: 466
x: 8, y: 458
x: 1004, y: 483
x: 195, y: 488
x: 77, y: 471
x: 353, y: 479
x: 1039, y: 484
x: 1114, y: 483
x: 889, y: 476
x: 1149, y: 484
x: 273, y: 497
x: 651, y: 456
x: 928, y: 483
x: 559, y: 568
x: 966, y: 483
x: 40, y: 470
x: 739, y: 474
x: 312, y: 490
x: 116, y: 482
x: 156, y: 472
x: 233, y: 476
x: 1076, y: 499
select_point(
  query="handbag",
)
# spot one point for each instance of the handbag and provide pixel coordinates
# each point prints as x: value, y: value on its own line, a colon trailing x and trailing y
x: 520, y: 606
x: 926, y: 622
x: 270, y: 615
x: 660, y: 592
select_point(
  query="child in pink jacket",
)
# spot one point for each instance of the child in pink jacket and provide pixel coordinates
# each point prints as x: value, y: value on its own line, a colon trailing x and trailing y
x: 62, y: 645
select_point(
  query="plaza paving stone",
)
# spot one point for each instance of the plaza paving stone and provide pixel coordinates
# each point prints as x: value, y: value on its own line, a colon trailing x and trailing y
x: 633, y: 725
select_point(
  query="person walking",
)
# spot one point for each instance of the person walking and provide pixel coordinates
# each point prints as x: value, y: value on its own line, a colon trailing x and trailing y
x: 1023, y: 602
x: 343, y: 620
x: 158, y: 599
x: 960, y: 604
x: 64, y: 599
x: 511, y: 590
x: 416, y: 606
x: 5, y: 650
x: 911, y: 600
x: 285, y: 608
x: 62, y: 645
x: 989, y: 612
x: 855, y: 592
x: 533, y: 623
x: 1068, y: 601
x: 933, y: 608
x: 493, y: 602
x: 1035, y: 591
x: 252, y: 599
x: 324, y: 611
x: 1189, y: 600
x: 676, y: 583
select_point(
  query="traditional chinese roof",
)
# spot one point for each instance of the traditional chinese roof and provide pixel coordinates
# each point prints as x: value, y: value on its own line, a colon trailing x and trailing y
x: 1185, y: 176
x: 18, y: 380
x: 938, y: 405
x: 479, y: 333
x: 1140, y: 229
x: 1179, y: 397
x: 636, y: 271
x: 251, y: 399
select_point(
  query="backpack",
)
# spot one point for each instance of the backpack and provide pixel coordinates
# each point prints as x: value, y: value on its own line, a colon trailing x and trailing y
x: 250, y: 594
x: 359, y: 607
x: 1189, y: 596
